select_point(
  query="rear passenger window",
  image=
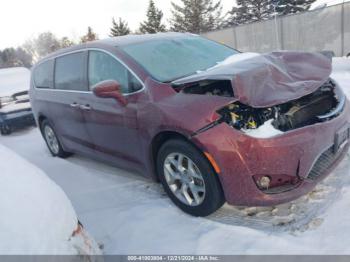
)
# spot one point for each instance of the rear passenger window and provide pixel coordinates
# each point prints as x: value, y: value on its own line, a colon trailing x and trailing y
x: 103, y: 66
x: 43, y: 75
x: 70, y: 72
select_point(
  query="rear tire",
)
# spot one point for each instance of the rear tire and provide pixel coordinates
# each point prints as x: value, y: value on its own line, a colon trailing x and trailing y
x: 52, y: 140
x: 188, y: 178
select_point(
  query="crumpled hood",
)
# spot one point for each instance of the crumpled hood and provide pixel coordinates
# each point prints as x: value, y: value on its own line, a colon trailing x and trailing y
x: 263, y: 80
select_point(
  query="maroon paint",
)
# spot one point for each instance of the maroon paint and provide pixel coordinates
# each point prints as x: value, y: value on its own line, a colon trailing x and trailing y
x: 240, y: 157
x: 123, y: 135
x: 270, y: 79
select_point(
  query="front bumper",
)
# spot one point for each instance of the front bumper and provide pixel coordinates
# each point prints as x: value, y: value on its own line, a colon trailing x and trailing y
x: 303, y: 153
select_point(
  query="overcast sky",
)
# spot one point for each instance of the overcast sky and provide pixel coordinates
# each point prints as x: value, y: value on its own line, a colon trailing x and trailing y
x: 23, y: 19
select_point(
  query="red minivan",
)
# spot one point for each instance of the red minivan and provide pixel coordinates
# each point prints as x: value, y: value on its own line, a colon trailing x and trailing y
x: 213, y: 125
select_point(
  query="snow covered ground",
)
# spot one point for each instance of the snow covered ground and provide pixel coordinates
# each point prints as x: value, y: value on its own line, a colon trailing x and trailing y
x: 36, y: 215
x: 130, y: 215
x: 14, y: 80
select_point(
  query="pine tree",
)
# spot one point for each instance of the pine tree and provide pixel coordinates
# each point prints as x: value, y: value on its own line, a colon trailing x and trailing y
x: 90, y: 36
x: 119, y: 28
x: 285, y: 7
x: 196, y: 16
x: 248, y: 11
x: 153, y: 24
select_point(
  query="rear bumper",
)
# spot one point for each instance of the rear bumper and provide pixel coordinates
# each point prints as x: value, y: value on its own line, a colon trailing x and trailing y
x: 305, y: 154
x: 17, y: 119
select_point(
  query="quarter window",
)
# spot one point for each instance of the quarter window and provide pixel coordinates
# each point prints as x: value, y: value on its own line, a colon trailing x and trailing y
x: 70, y: 72
x: 43, y: 75
x: 103, y: 67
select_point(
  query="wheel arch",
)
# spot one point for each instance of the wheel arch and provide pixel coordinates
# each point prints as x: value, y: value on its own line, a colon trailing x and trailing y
x: 41, y: 118
x: 165, y: 136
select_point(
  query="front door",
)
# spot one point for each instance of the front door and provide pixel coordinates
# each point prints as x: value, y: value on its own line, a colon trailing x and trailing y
x: 112, y: 126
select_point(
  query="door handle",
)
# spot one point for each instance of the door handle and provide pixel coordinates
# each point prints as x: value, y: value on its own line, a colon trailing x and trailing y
x: 85, y: 107
x: 74, y: 105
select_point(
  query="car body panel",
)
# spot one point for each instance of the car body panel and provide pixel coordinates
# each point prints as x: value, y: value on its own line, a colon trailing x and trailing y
x: 293, y: 153
x: 113, y: 129
x: 68, y: 119
x: 264, y: 80
x: 124, y: 135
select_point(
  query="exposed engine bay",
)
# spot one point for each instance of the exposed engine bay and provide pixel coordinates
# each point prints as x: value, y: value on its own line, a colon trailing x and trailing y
x: 322, y: 105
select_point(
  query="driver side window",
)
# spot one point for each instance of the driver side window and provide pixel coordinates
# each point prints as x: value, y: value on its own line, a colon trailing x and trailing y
x: 103, y: 66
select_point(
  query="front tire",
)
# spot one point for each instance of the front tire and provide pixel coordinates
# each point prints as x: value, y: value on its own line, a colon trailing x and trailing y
x: 188, y: 178
x: 52, y: 141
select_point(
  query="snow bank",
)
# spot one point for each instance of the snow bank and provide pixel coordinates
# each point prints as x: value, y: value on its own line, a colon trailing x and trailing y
x: 36, y: 216
x: 264, y: 131
x: 14, y: 80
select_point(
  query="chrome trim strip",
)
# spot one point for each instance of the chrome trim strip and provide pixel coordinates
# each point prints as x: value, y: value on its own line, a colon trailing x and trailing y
x: 90, y: 92
x: 62, y: 90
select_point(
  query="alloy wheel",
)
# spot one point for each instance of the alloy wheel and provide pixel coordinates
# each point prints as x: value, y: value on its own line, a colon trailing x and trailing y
x: 51, y: 139
x: 184, y: 179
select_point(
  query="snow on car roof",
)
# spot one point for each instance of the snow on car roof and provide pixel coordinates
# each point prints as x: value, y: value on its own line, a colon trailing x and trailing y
x: 36, y: 215
x: 13, y: 80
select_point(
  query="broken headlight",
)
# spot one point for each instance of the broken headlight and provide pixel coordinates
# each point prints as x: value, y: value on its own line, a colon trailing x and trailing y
x: 241, y: 116
x: 322, y: 105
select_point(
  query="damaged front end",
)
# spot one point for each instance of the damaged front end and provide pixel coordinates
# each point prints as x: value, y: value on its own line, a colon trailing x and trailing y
x: 251, y: 138
x: 272, y: 93
x: 324, y: 104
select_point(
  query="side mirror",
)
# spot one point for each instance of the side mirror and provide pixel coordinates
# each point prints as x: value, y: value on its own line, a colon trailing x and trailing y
x: 109, y: 89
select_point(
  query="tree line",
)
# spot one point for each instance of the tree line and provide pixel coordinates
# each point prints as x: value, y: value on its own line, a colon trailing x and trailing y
x: 194, y: 16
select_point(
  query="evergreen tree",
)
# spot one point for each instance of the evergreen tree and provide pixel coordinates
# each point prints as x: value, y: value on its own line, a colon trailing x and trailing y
x: 285, y: 7
x: 90, y: 36
x: 248, y: 11
x: 119, y: 28
x: 153, y: 24
x: 196, y: 16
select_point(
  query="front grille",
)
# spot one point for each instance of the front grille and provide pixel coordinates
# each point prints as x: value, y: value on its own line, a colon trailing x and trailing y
x: 326, y: 159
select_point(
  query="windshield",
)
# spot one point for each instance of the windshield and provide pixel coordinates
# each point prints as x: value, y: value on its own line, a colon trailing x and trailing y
x: 170, y: 59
